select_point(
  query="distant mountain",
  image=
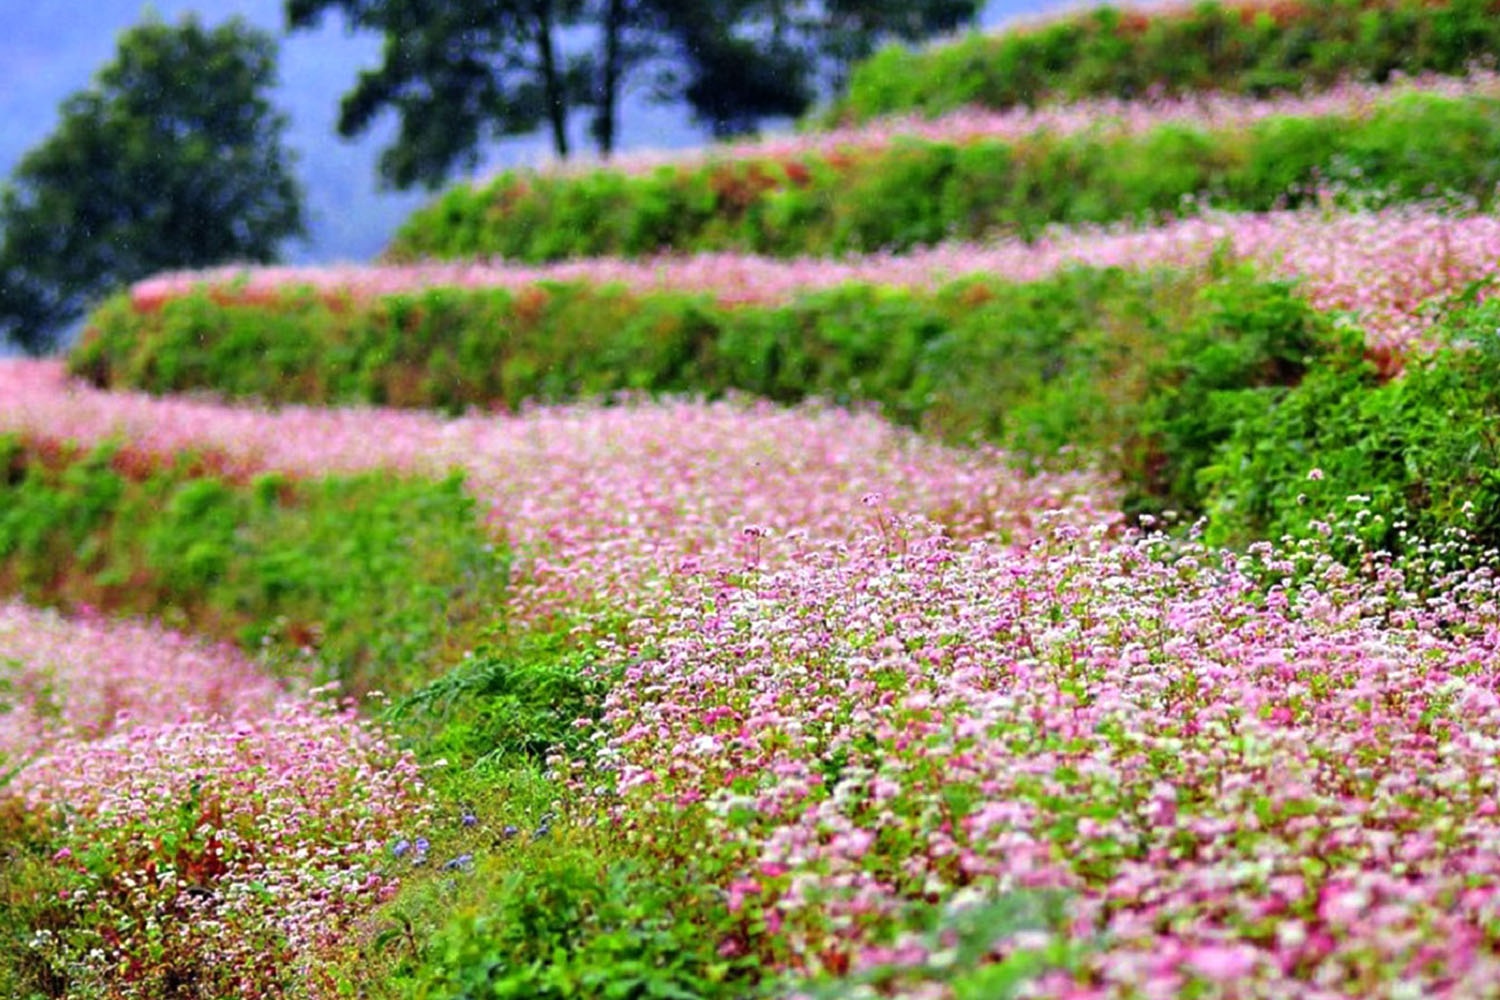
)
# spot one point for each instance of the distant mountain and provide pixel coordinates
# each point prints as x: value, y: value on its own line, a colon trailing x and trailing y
x: 51, y: 48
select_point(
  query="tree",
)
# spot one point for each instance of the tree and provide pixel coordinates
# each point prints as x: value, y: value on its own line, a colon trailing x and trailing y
x: 172, y: 158
x: 853, y: 28
x: 747, y: 60
x: 735, y: 62
x: 459, y: 73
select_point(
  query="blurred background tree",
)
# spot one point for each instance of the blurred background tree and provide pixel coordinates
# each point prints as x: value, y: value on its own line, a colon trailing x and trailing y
x: 461, y: 73
x: 853, y: 29
x: 173, y: 158
x: 458, y: 73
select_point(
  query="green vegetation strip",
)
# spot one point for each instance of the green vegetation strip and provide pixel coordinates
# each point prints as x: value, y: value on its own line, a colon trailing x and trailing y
x: 1250, y: 48
x: 384, y: 578
x: 917, y: 192
x: 1087, y: 363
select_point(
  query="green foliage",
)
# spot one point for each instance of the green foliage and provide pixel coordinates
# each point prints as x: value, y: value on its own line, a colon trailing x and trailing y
x: 458, y: 74
x: 1237, y: 357
x: 172, y: 159
x: 575, y: 922
x: 851, y: 29
x: 379, y: 577
x: 1147, y: 371
x: 732, y: 79
x: 513, y: 699
x: 1420, y: 451
x: 918, y: 191
x: 1110, y: 51
x: 31, y: 901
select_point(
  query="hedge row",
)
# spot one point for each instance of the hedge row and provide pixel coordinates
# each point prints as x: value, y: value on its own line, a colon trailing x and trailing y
x: 1082, y: 361
x: 917, y: 192
x: 379, y: 576
x: 1254, y: 48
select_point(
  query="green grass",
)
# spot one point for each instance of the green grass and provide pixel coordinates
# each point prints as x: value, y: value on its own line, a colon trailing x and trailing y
x: 371, y: 581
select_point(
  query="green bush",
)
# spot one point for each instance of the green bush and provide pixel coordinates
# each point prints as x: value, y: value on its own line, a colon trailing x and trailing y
x: 1419, y: 453
x: 577, y: 923
x: 514, y: 699
x: 32, y: 900
x: 920, y: 191
x: 1242, y: 353
x: 381, y: 577
x: 969, y: 936
x: 1251, y: 48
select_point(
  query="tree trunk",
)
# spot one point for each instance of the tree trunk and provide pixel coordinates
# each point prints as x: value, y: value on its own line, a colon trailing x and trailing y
x: 609, y: 77
x: 552, y: 84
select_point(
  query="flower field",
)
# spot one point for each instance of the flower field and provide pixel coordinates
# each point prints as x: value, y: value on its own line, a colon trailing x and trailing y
x: 1288, y: 787
x: 598, y: 501
x: 912, y: 183
x: 1111, y: 614
x: 82, y: 678
x: 1134, y: 49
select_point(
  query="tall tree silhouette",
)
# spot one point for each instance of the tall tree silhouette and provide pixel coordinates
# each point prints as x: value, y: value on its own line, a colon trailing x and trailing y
x: 461, y: 73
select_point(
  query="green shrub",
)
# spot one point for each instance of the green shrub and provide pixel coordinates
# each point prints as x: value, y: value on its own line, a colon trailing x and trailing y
x: 378, y: 575
x: 1420, y: 452
x: 514, y: 699
x: 1240, y: 355
x: 577, y: 923
x: 32, y: 891
x: 1252, y: 48
x: 920, y: 191
x: 968, y: 937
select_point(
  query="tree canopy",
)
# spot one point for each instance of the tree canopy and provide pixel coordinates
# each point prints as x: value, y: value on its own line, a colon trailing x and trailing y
x: 172, y: 158
x: 461, y: 73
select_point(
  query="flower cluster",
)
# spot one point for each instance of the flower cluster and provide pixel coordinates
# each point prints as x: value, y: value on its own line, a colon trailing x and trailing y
x: 228, y: 855
x: 83, y: 678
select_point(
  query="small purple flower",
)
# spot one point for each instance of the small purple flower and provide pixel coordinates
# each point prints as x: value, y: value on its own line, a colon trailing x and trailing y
x: 400, y: 847
x: 468, y: 818
x: 463, y: 862
x: 509, y: 832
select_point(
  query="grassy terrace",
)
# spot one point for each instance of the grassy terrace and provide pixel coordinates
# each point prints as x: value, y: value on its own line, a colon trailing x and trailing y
x: 488, y: 336
x: 899, y: 185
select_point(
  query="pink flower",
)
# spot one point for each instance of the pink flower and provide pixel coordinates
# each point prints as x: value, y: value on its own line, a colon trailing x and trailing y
x: 1222, y: 962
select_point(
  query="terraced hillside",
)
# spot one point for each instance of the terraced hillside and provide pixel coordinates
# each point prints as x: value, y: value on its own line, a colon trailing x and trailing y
x: 631, y: 598
x: 895, y: 185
